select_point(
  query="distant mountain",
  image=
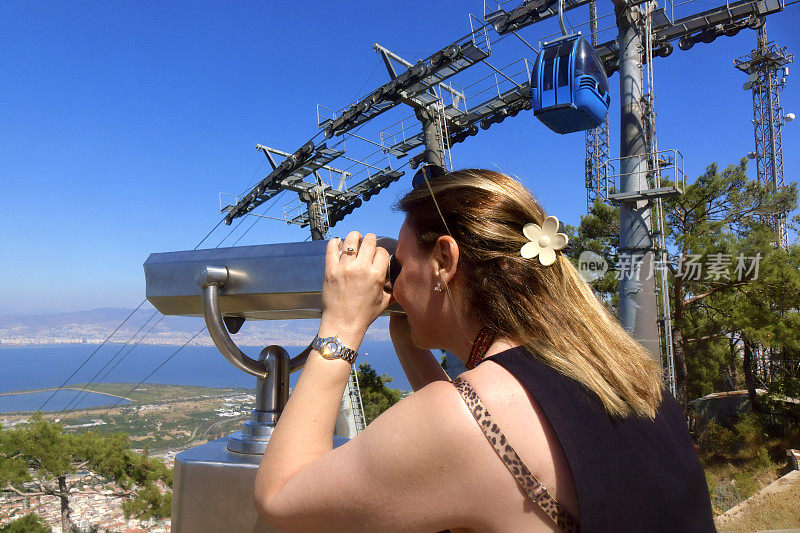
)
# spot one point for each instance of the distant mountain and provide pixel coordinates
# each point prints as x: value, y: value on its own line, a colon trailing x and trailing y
x: 148, y: 326
x: 104, y: 314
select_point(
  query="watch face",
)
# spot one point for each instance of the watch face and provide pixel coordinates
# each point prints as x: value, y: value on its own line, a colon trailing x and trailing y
x: 330, y: 348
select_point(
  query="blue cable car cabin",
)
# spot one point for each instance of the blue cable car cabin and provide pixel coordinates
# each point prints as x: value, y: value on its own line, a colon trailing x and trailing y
x: 569, y: 86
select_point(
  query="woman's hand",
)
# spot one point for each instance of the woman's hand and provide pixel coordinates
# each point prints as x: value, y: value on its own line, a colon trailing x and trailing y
x: 353, y: 294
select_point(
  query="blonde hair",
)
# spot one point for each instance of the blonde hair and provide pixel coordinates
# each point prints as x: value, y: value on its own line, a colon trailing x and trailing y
x: 550, y: 310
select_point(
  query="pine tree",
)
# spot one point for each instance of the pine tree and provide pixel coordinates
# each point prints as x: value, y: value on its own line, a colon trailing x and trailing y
x: 375, y: 395
x: 723, y: 214
x: 39, y: 458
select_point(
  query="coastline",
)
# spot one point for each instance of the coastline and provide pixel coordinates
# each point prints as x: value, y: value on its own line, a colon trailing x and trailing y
x: 34, y: 391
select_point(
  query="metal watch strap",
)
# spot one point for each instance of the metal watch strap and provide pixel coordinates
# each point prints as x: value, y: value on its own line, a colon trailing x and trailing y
x: 332, y: 348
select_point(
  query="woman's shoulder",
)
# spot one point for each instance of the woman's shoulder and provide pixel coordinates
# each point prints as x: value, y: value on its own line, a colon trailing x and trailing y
x: 511, y: 404
x: 430, y: 442
x: 526, y: 427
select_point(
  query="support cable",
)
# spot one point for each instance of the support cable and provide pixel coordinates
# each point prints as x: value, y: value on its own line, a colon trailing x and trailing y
x: 208, y: 234
x: 156, y: 369
x: 160, y: 319
x: 230, y: 232
x: 274, y: 199
x: 90, y: 356
x: 250, y: 183
x: 358, y: 92
x: 83, y: 393
x: 104, y: 376
x: 108, y: 338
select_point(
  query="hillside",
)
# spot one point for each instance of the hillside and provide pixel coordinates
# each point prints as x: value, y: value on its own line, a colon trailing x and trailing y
x: 95, y: 325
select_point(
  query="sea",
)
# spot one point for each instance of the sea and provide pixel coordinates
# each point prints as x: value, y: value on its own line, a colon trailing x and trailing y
x: 24, y: 368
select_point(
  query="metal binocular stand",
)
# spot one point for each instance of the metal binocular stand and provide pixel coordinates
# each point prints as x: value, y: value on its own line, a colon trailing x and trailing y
x: 213, y: 482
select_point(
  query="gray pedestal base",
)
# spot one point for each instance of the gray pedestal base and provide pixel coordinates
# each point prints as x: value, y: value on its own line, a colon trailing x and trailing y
x: 213, y: 490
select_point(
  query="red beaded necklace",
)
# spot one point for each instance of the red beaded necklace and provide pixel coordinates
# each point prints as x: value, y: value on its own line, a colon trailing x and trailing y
x: 480, y: 347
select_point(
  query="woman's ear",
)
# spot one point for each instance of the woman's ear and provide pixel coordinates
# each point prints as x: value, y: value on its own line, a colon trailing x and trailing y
x: 445, y: 254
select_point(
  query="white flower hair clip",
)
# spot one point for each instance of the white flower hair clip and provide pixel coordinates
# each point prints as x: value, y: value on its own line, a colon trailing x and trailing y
x: 545, y: 240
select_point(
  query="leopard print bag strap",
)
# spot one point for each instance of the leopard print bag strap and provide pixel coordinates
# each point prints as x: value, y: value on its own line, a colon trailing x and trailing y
x: 533, y: 488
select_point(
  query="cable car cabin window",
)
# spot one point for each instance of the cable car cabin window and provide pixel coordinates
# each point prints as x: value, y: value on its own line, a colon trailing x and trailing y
x: 563, y: 65
x: 547, y: 75
x: 588, y: 62
x: 550, y: 53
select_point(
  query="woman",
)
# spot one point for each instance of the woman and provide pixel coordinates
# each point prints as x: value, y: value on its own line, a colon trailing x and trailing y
x: 551, y: 373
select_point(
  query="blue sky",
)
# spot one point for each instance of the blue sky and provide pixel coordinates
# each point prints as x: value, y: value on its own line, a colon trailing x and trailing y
x: 122, y: 121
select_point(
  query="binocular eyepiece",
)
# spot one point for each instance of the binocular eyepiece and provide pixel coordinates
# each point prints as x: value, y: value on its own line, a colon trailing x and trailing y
x: 394, y: 271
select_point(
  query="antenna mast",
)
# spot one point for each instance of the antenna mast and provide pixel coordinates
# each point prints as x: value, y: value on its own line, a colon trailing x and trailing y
x: 767, y: 71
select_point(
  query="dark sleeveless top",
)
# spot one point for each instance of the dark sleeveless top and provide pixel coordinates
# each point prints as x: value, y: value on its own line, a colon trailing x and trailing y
x: 630, y: 474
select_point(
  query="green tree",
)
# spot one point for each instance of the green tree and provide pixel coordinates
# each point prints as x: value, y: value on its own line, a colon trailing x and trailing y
x: 38, y: 458
x: 375, y: 395
x: 766, y: 313
x: 723, y: 215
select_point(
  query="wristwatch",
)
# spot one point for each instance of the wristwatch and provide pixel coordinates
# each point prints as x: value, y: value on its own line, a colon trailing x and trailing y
x: 331, y: 348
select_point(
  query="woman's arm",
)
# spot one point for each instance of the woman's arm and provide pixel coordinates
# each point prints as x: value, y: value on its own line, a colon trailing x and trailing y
x: 420, y: 365
x: 352, y: 297
x: 404, y: 471
x: 407, y: 471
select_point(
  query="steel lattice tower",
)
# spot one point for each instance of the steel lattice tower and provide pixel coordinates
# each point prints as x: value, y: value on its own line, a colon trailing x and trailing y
x: 766, y: 68
x: 598, y: 147
x: 767, y: 71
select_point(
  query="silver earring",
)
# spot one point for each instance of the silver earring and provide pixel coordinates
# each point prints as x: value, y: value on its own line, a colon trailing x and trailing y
x: 438, y: 287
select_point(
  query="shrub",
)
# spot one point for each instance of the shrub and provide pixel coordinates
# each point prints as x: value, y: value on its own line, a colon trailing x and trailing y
x: 30, y: 523
x: 751, y: 435
x: 716, y: 442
